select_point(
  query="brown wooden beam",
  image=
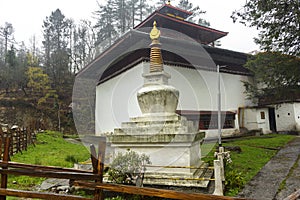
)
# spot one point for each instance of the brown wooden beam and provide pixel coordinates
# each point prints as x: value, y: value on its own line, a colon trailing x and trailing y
x: 153, y: 192
x: 50, y: 174
x: 42, y: 195
x: 39, y: 167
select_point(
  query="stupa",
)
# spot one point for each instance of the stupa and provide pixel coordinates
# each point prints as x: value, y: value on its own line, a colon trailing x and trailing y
x: 170, y: 140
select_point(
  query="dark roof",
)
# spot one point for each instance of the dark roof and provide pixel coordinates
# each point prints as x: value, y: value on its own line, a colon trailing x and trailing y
x: 133, y: 47
x: 202, y: 34
x: 169, y: 9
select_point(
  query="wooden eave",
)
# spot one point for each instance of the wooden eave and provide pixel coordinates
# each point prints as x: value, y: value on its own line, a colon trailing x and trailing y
x: 114, y: 61
x: 202, y: 34
x: 172, y: 9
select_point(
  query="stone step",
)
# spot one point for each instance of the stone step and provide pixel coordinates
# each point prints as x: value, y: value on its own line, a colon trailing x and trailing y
x: 155, y: 123
x: 151, y: 131
x: 200, y: 178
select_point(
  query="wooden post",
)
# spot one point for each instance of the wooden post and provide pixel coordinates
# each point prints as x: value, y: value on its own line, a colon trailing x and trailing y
x: 293, y: 196
x: 25, y: 139
x: 98, y: 165
x: 5, y: 160
x: 11, y: 139
x: 1, y: 141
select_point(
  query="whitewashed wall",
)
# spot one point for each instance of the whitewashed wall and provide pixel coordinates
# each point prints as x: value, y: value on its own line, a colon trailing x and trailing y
x: 287, y: 116
x: 263, y: 124
x: 249, y: 116
x: 116, y: 99
x: 253, y: 120
x: 297, y: 115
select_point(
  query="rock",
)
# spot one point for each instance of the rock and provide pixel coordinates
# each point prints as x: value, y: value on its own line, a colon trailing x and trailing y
x: 64, y: 188
x: 233, y: 148
x: 53, y: 182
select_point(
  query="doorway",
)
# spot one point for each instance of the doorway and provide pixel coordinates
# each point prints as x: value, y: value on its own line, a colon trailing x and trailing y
x: 272, y: 119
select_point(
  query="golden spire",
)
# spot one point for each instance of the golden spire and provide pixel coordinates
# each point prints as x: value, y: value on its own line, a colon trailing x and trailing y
x: 156, y: 63
x: 169, y: 2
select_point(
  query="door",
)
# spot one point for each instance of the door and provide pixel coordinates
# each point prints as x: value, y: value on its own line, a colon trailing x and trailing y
x: 272, y: 120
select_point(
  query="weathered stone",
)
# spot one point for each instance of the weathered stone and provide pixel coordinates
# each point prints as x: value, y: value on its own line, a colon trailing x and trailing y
x: 53, y: 182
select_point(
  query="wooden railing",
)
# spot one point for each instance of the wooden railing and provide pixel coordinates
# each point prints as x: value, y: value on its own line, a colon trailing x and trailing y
x: 20, y: 139
x: 82, y: 178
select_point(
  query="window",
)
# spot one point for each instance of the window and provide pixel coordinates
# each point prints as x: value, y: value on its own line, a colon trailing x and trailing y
x: 262, y: 115
x: 209, y: 119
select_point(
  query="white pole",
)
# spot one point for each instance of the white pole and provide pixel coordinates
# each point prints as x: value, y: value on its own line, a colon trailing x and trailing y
x: 219, y: 106
x: 218, y: 180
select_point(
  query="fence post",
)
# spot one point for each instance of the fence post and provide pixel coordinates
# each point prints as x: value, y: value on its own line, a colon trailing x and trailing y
x: 5, y: 160
x: 25, y: 140
x: 11, y: 138
x: 98, y: 165
x: 218, y: 178
x: 220, y: 156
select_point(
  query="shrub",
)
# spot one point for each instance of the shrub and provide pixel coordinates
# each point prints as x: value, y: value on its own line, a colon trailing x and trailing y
x: 126, y: 166
x: 234, y: 180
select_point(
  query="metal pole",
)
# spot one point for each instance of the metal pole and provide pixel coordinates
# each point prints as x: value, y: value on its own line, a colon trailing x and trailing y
x: 219, y: 106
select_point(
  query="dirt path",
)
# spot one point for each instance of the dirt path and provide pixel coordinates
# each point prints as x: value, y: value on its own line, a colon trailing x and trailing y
x: 279, y: 177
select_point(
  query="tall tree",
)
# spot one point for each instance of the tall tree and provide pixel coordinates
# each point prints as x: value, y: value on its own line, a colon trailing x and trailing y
x: 196, y: 17
x: 278, y: 22
x: 7, y: 33
x: 277, y: 77
x: 105, y: 23
x: 121, y: 14
x: 84, y: 39
x: 56, y: 40
x: 139, y: 10
x: 57, y: 31
x: 12, y: 73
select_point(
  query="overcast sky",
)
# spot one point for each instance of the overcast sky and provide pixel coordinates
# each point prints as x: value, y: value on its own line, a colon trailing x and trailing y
x: 27, y: 18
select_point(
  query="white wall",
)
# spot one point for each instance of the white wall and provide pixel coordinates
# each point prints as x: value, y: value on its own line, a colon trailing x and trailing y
x: 116, y: 99
x: 249, y: 118
x: 285, y: 116
x: 252, y: 118
x: 297, y: 115
x: 263, y: 124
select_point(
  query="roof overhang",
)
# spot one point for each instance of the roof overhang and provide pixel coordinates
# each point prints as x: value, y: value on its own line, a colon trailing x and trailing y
x: 133, y: 47
x: 202, y: 34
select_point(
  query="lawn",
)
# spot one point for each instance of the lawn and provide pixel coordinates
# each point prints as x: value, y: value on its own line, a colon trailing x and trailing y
x: 50, y: 149
x: 256, y: 152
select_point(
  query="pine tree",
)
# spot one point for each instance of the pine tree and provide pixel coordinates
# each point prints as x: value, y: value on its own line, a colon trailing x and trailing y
x: 105, y: 24
x: 121, y: 15
x: 57, y: 33
x: 56, y: 40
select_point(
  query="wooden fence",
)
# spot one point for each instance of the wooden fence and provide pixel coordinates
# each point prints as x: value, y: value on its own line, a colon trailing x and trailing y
x: 20, y: 139
x: 85, y: 179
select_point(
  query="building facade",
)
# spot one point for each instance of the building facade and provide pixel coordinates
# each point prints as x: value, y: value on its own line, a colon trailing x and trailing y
x: 114, y: 77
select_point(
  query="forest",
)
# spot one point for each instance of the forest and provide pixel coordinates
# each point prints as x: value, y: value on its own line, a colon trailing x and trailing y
x: 36, y: 81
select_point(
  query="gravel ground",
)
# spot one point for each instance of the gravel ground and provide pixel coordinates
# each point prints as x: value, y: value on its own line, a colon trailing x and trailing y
x: 283, y: 167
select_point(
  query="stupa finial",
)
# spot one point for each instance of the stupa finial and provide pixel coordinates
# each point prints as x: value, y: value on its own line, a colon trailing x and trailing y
x: 156, y: 63
x: 155, y: 33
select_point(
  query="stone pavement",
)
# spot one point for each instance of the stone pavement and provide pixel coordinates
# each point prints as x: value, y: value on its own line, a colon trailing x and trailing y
x: 283, y: 169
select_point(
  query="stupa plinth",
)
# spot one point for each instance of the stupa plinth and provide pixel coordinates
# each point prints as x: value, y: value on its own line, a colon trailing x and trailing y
x: 168, y: 138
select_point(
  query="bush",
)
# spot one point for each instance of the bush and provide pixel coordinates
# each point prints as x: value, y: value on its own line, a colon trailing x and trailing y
x: 126, y: 166
x: 234, y: 181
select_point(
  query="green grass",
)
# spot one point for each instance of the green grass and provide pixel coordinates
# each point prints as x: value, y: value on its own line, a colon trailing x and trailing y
x: 50, y: 150
x: 256, y: 152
